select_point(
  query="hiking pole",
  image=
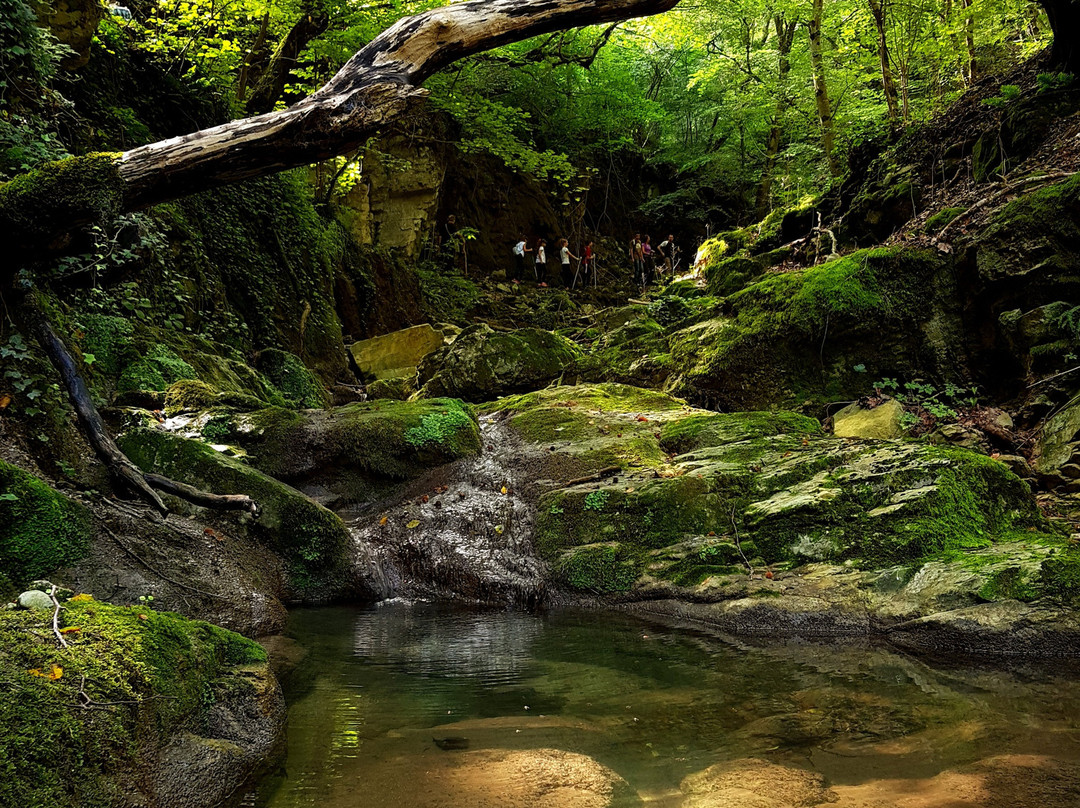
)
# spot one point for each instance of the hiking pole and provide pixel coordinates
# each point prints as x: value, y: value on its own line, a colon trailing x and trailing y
x: 577, y: 272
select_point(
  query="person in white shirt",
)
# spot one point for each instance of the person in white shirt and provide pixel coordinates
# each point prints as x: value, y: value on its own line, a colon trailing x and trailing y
x: 565, y: 256
x: 540, y: 264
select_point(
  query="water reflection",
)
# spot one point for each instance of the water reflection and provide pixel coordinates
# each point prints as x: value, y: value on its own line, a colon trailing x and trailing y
x: 425, y: 705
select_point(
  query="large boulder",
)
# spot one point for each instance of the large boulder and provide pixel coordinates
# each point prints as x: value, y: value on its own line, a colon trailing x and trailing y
x: 394, y: 355
x: 879, y: 423
x: 74, y: 23
x: 754, y: 783
x: 312, y: 540
x: 483, y: 364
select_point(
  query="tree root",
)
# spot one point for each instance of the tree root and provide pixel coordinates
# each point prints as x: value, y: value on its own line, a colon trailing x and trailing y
x: 125, y: 473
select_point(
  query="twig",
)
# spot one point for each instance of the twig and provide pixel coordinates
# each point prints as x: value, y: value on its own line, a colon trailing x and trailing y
x: 158, y: 572
x: 56, y: 618
x: 592, y: 478
x: 738, y: 543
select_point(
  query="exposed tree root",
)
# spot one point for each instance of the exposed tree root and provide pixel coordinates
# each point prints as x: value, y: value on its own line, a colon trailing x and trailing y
x: 125, y: 473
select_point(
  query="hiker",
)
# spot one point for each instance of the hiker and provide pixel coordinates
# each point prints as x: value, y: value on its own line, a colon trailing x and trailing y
x: 587, y: 267
x: 565, y: 257
x: 667, y: 252
x: 636, y: 262
x: 450, y: 245
x: 520, y: 249
x: 540, y: 264
x: 648, y: 262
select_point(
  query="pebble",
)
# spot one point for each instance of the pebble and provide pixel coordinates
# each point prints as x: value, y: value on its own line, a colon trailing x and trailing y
x: 35, y: 599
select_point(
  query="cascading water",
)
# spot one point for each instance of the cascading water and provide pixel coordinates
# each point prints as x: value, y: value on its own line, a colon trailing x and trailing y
x: 461, y: 531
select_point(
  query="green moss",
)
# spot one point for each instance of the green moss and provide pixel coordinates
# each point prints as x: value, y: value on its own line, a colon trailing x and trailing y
x: 157, y: 370
x: 450, y: 432
x: 189, y: 395
x: 217, y: 429
x: 159, y: 670
x: 298, y: 384
x: 311, y: 537
x: 699, y: 431
x: 728, y: 276
x: 110, y: 340
x: 1008, y: 584
x: 941, y: 219
x: 40, y: 529
x: 1059, y: 575
x: 40, y: 203
x: 600, y: 568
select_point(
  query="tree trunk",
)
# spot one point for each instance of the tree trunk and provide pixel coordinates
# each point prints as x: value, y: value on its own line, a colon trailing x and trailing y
x: 878, y: 9
x: 969, y: 41
x: 378, y: 85
x: 254, y: 55
x: 271, y: 84
x: 1064, y: 17
x: 785, y: 36
x: 821, y: 89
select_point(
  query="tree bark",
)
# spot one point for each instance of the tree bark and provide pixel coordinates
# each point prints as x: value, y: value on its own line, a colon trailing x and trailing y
x: 821, y: 88
x: 1064, y: 17
x: 785, y: 37
x: 878, y: 10
x: 379, y: 84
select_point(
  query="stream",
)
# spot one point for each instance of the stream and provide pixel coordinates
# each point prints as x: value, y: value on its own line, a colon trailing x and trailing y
x: 423, y: 704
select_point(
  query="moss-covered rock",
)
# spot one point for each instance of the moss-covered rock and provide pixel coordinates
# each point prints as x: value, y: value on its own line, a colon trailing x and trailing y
x: 729, y: 275
x: 299, y: 385
x: 189, y: 395
x: 634, y: 350
x: 40, y: 529
x: 483, y: 364
x: 360, y: 445
x: 699, y: 495
x: 824, y: 333
x: 311, y: 538
x: 159, y: 672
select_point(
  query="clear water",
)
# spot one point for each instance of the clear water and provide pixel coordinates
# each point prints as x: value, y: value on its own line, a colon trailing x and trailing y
x: 379, y: 686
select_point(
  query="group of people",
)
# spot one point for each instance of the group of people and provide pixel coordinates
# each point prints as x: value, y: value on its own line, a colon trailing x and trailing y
x: 645, y: 259
x: 583, y: 275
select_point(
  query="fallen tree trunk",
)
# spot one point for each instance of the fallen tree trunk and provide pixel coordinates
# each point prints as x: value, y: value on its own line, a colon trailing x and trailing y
x: 378, y: 85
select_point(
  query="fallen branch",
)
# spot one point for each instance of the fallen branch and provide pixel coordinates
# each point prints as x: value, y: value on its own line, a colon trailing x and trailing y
x: 608, y: 471
x: 226, y: 502
x: 1044, y: 179
x: 56, y: 618
x: 738, y: 544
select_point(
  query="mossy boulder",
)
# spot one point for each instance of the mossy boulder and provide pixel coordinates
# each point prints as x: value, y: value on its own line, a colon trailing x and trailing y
x: 354, y: 450
x: 483, y: 364
x: 633, y: 351
x: 727, y: 276
x: 697, y: 495
x: 40, y: 529
x: 160, y: 673
x: 824, y: 333
x: 312, y: 539
x: 296, y: 382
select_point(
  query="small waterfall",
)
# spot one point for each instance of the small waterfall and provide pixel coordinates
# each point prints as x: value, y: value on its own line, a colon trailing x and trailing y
x: 463, y: 530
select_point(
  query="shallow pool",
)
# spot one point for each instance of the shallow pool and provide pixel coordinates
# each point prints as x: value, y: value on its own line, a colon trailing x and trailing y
x: 432, y: 706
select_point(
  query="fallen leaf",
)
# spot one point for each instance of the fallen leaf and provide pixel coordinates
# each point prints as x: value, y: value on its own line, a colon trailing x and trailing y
x: 769, y: 575
x: 642, y: 418
x: 70, y: 630
x: 712, y: 532
x: 504, y: 489
x: 4, y: 401
x: 629, y: 490
x: 383, y: 521
x: 499, y: 529
x: 209, y: 531
x: 413, y: 524
x: 56, y: 673
x: 143, y: 617
x: 80, y: 598
x: 424, y: 499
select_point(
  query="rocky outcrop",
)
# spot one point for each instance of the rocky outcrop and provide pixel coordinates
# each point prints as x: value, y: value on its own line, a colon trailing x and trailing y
x: 175, y: 713
x: 74, y: 23
x: 879, y: 423
x: 395, y: 355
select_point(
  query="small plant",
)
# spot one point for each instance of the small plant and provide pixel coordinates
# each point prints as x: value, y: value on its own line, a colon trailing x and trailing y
x: 1048, y: 82
x: 596, y: 500
x: 1006, y: 95
x: 556, y: 510
x: 146, y: 600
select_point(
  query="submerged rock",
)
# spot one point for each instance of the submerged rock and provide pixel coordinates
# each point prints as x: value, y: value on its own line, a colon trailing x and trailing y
x: 754, y: 783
